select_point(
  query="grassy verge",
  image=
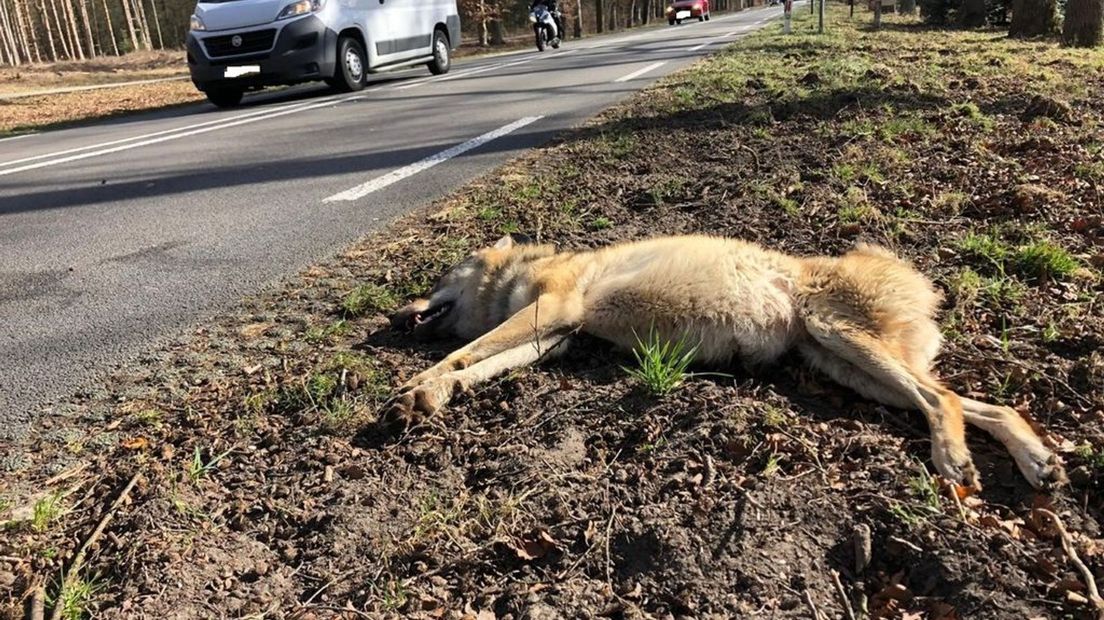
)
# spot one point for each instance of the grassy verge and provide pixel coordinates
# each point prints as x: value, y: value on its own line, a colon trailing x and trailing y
x: 572, y: 491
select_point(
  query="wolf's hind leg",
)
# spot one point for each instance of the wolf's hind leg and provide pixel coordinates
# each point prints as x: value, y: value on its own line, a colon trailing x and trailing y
x: 1039, y: 465
x: 895, y: 383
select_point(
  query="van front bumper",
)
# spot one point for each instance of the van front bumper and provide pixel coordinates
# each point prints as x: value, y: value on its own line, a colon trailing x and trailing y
x: 303, y: 50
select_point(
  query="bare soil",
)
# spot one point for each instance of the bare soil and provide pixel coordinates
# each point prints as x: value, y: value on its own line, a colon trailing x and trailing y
x: 568, y: 491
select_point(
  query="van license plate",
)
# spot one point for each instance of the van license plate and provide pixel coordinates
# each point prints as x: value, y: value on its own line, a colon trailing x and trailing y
x: 233, y: 72
x: 679, y: 15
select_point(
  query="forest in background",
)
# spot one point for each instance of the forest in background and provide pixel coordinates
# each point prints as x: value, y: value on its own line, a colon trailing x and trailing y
x: 43, y: 31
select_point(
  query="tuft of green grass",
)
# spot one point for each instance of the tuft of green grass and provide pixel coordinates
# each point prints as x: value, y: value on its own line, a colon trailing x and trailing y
x: 368, y: 298
x: 149, y: 417
x: 1093, y: 458
x: 775, y: 417
x: 75, y: 596
x: 198, y: 469
x: 965, y: 285
x: 987, y: 246
x: 773, y: 465
x: 46, y: 511
x: 910, y: 125
x: 600, y: 223
x: 1044, y: 260
x: 950, y: 203
x: 661, y: 364
x: 971, y: 112
x: 1051, y: 333
x: 488, y: 213
x: 322, y: 333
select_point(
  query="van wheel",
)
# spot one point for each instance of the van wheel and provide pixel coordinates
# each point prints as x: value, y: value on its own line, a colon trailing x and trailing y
x: 352, y: 66
x: 225, y: 97
x: 441, y: 56
x: 707, y: 17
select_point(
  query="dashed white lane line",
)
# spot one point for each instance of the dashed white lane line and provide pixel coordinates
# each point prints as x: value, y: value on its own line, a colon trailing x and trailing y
x: 715, y: 39
x: 378, y: 183
x: 182, y: 134
x: 640, y: 72
x: 457, y: 76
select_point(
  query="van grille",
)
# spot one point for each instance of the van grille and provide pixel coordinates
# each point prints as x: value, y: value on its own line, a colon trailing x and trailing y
x: 251, y: 43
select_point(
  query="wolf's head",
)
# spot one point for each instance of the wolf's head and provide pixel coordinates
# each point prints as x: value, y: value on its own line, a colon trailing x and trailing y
x: 464, y: 301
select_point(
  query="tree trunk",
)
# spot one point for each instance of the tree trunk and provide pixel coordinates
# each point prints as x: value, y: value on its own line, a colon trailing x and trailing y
x: 497, y: 31
x: 1032, y: 18
x: 598, y: 16
x: 140, y: 12
x: 49, y: 30
x: 906, y: 7
x: 157, y: 24
x: 60, y: 30
x: 23, y: 39
x: 630, y: 18
x: 972, y: 14
x: 90, y: 42
x: 110, y: 28
x: 877, y: 14
x: 28, y: 10
x: 646, y: 12
x: 74, y: 30
x: 9, y: 46
x: 1084, y: 23
x: 129, y: 17
x: 578, y: 19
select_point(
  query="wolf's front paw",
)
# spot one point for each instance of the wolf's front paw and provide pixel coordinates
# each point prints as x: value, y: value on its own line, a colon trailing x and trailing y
x: 954, y: 464
x: 418, y: 402
x: 1042, y: 468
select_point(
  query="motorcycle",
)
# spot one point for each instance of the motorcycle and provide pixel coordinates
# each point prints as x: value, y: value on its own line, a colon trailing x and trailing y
x: 544, y: 27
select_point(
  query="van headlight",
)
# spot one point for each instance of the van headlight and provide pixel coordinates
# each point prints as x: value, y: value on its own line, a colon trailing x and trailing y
x: 301, y: 7
x: 197, y: 23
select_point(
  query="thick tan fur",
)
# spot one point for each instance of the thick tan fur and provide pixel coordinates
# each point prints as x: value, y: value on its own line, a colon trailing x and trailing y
x: 865, y: 319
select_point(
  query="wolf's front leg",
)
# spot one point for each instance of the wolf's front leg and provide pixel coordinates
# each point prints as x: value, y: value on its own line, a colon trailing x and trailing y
x: 432, y: 393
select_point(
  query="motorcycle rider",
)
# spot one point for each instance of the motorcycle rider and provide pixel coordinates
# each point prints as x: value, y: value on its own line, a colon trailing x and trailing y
x: 553, y: 8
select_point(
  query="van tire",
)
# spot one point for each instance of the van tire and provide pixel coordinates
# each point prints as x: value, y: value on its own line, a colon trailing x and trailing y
x: 225, y: 97
x: 442, y: 59
x: 351, y: 70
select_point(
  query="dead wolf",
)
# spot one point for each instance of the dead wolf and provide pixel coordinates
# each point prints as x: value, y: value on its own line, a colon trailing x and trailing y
x: 865, y: 319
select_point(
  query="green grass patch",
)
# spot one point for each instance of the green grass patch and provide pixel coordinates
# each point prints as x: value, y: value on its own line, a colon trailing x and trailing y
x: 1045, y: 260
x: 601, y: 223
x: 661, y: 365
x: 47, y: 510
x: 368, y: 298
x: 75, y: 596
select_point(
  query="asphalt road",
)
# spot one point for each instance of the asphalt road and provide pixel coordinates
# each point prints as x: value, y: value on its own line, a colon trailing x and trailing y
x: 117, y: 235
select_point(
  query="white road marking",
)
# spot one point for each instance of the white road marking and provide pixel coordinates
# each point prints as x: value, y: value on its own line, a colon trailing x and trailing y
x: 153, y: 134
x: 395, y: 176
x: 177, y: 136
x: 714, y: 39
x: 19, y: 137
x: 640, y: 72
x: 456, y: 76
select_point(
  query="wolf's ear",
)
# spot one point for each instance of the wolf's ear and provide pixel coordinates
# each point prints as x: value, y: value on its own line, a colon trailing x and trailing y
x: 511, y: 240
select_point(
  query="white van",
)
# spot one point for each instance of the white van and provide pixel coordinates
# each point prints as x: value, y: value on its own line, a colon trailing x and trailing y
x: 239, y: 45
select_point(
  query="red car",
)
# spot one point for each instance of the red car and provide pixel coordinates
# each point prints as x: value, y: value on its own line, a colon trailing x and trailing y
x: 687, y: 9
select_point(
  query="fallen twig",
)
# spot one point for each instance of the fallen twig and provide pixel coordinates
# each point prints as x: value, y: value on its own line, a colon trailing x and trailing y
x: 847, y: 610
x: 38, y: 604
x: 812, y: 606
x: 1071, y: 552
x: 78, y: 559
